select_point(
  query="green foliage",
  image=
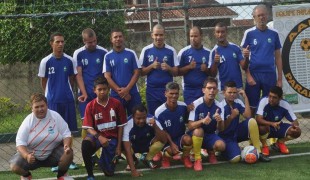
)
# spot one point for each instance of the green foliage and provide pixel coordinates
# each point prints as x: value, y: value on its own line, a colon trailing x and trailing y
x: 27, y: 39
x: 7, y: 107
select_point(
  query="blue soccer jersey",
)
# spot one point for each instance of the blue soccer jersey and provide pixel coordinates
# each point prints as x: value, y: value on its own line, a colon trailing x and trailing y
x: 173, y: 122
x: 275, y: 113
x: 231, y: 130
x: 228, y: 68
x: 57, y: 71
x: 139, y: 137
x: 194, y: 79
x: 157, y: 77
x: 121, y: 65
x: 201, y: 111
x: 91, y: 63
x: 262, y: 46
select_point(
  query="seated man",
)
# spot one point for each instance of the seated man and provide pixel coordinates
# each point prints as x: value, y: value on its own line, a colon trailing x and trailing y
x: 236, y: 131
x: 104, y: 120
x: 42, y: 140
x: 172, y: 116
x: 270, y: 112
x: 142, y: 134
x: 204, y: 121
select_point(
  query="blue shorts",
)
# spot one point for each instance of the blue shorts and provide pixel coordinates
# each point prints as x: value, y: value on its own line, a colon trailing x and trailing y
x: 264, y: 81
x: 141, y: 147
x: 67, y: 112
x: 107, y: 154
x: 155, y: 97
x: 128, y: 105
x: 177, y: 141
x: 280, y: 133
x: 232, y: 149
x: 190, y: 95
x: 209, y: 141
x: 243, y: 133
x: 82, y: 107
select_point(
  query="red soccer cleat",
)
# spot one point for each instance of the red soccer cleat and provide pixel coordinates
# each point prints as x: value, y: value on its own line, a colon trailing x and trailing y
x: 265, y: 150
x: 165, y: 162
x: 283, y: 148
x: 197, y: 165
x: 187, y: 162
x: 212, y: 157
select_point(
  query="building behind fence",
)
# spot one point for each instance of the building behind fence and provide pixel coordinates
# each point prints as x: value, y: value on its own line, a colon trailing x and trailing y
x: 19, y: 80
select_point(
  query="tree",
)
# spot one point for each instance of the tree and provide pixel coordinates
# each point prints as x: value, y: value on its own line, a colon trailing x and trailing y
x: 24, y: 35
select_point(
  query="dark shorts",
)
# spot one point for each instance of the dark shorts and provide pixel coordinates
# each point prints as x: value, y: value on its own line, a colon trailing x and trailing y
x: 67, y: 112
x: 279, y: 133
x: 209, y: 141
x: 51, y: 161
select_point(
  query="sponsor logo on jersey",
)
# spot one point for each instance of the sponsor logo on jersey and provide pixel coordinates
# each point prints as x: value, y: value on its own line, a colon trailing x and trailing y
x: 65, y: 69
x: 125, y: 60
x: 98, y: 61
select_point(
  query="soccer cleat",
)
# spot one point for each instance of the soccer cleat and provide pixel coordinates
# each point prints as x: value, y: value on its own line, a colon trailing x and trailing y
x: 212, y: 158
x: 177, y: 157
x: 157, y: 157
x: 65, y: 177
x: 165, y: 162
x: 264, y: 158
x: 73, y: 166
x: 187, y: 162
x: 265, y: 150
x: 283, y: 148
x: 204, y: 152
x: 26, y: 178
x: 150, y: 164
x: 197, y: 165
x: 54, y: 169
x: 275, y: 147
x: 90, y: 178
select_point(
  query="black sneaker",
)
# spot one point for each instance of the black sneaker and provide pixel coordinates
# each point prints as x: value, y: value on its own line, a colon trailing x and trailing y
x: 275, y: 147
x: 264, y: 158
x: 150, y: 164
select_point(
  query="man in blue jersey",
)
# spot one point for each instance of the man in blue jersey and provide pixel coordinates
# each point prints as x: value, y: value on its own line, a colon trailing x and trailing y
x: 204, y: 121
x: 122, y: 70
x: 236, y: 131
x: 159, y: 64
x: 172, y: 116
x: 57, y: 74
x: 270, y: 113
x: 193, y: 66
x: 89, y: 62
x: 262, y: 46
x: 226, y: 59
x: 142, y: 134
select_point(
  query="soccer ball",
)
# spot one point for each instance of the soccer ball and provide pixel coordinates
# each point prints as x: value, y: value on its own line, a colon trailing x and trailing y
x: 249, y: 154
x: 305, y: 44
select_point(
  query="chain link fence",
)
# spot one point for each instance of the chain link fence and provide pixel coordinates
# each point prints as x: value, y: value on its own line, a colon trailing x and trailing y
x: 25, y: 30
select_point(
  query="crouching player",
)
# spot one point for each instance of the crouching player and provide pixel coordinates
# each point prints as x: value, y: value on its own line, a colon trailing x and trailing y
x: 142, y: 134
x: 173, y: 115
x: 104, y: 120
x: 270, y: 113
x: 234, y: 131
x: 204, y: 121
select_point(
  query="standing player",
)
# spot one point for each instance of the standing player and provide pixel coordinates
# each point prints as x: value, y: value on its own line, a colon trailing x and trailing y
x: 193, y: 61
x: 262, y: 46
x: 172, y: 116
x: 57, y: 74
x: 104, y: 121
x: 226, y: 59
x: 204, y: 121
x: 121, y: 68
x: 270, y: 113
x: 236, y: 131
x: 142, y: 134
x: 159, y: 64
x: 89, y: 61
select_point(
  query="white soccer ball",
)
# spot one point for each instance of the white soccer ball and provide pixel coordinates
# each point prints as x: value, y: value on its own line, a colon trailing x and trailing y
x: 249, y: 154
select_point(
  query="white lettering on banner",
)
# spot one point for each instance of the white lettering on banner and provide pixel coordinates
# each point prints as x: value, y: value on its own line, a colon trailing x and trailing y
x: 106, y: 126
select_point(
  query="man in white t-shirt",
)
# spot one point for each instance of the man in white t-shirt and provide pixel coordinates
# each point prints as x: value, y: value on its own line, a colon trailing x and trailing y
x: 43, y: 140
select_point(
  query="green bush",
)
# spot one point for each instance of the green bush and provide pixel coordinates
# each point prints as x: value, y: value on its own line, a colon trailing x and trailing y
x: 7, y: 107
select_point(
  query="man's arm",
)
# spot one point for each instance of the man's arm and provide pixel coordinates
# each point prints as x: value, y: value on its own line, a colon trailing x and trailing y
x: 279, y: 66
x: 261, y: 121
x: 29, y: 156
x: 43, y: 83
x: 72, y: 80
x: 111, y: 82
x: 184, y: 70
x: 81, y: 85
x: 128, y: 153
x: 120, y: 130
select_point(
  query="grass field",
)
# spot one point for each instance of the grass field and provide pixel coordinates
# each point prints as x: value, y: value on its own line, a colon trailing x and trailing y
x: 293, y: 166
